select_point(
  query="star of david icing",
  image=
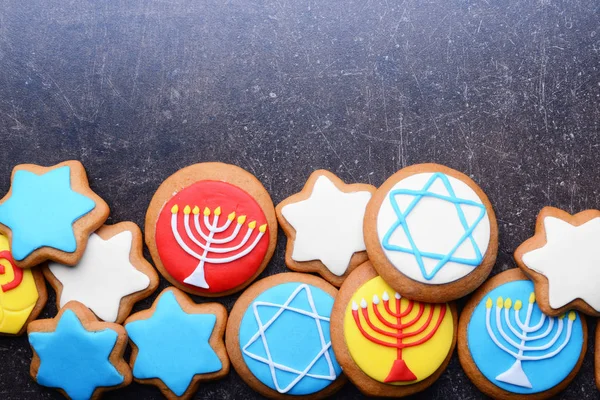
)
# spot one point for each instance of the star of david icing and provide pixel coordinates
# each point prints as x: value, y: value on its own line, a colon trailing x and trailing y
x: 262, y: 336
x: 402, y: 223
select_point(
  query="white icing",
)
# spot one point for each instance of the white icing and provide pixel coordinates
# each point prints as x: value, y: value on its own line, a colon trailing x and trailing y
x: 103, y: 276
x: 570, y: 260
x: 329, y: 225
x: 435, y: 227
x: 197, y: 277
x: 261, y: 335
x: 515, y: 374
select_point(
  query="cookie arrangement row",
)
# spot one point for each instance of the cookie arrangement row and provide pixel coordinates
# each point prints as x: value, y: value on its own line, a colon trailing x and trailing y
x: 400, y: 255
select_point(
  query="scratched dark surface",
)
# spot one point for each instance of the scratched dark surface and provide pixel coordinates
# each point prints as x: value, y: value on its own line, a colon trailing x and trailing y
x: 505, y: 91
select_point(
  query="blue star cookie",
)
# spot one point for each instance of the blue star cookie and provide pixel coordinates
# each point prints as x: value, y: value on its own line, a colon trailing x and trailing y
x: 77, y: 354
x: 42, y: 207
x: 178, y: 343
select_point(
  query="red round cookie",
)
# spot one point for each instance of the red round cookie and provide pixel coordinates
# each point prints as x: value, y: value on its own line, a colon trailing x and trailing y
x: 211, y: 229
x: 210, y: 195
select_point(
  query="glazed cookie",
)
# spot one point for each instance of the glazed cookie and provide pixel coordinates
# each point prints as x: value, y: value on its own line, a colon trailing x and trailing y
x: 510, y: 349
x: 22, y: 293
x: 563, y: 260
x: 278, y: 337
x: 49, y: 213
x: 77, y: 354
x: 431, y: 233
x: 324, y: 226
x: 211, y: 229
x: 178, y: 344
x: 387, y: 345
x: 111, y: 276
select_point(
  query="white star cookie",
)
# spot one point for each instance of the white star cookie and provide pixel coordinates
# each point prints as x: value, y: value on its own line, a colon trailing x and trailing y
x: 111, y: 269
x: 325, y: 224
x: 569, y: 259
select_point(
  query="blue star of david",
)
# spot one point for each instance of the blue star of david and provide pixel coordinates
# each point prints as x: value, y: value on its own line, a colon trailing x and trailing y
x: 261, y: 336
x: 414, y: 250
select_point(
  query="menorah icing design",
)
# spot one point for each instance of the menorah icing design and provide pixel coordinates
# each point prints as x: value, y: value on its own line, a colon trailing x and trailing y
x: 433, y: 227
x: 285, y: 339
x: 212, y: 236
x: 519, y: 348
x: 395, y: 340
x: 515, y: 374
x: 18, y: 292
x: 206, y: 240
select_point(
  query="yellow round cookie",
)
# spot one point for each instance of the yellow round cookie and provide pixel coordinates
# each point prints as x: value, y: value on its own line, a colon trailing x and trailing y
x: 396, y: 345
x: 17, y: 299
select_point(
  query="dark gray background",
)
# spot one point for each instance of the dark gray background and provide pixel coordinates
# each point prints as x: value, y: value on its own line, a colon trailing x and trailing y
x: 505, y: 91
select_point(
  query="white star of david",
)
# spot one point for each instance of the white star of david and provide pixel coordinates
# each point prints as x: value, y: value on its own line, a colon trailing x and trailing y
x: 262, y: 328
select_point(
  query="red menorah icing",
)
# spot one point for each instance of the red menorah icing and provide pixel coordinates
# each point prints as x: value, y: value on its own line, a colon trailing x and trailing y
x: 17, y: 272
x: 212, y: 235
x: 399, y: 372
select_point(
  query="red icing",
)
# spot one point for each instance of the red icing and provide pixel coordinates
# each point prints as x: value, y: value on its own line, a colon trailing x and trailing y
x: 17, y: 272
x: 212, y: 194
x: 400, y: 371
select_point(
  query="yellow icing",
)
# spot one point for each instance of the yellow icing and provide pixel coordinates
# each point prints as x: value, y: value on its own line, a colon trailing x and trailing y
x: 377, y: 360
x: 16, y: 304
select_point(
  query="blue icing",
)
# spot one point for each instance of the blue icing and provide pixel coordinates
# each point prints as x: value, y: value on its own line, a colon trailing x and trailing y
x: 173, y: 345
x: 413, y: 249
x: 296, y: 359
x: 41, y: 211
x: 74, y: 359
x: 541, y: 373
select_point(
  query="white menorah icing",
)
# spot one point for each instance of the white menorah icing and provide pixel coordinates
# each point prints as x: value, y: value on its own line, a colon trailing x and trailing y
x: 197, y: 277
x: 515, y: 374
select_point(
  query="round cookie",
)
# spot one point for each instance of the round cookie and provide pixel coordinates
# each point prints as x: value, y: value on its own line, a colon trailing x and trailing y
x: 431, y: 233
x: 211, y: 229
x: 278, y: 337
x: 387, y: 345
x: 49, y: 213
x: 111, y: 276
x: 561, y: 259
x: 22, y: 293
x: 510, y: 349
x: 324, y: 226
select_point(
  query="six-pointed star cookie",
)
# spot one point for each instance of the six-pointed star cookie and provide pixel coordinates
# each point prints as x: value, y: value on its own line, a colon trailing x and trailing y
x: 49, y: 213
x: 324, y: 226
x: 563, y: 260
x: 177, y: 344
x: 77, y: 354
x: 110, y: 277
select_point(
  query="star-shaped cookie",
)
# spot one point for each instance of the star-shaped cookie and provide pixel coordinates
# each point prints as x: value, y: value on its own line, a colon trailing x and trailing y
x: 563, y: 260
x: 178, y: 344
x: 77, y: 354
x: 324, y: 226
x: 49, y: 213
x: 111, y: 276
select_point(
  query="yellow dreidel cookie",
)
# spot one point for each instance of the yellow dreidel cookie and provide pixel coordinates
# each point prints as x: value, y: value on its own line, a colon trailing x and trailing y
x: 22, y: 293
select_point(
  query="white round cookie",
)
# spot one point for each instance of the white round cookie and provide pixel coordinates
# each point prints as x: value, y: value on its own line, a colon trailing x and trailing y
x: 435, y: 227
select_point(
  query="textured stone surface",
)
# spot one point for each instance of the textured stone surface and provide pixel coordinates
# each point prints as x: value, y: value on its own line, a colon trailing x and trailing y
x: 506, y: 91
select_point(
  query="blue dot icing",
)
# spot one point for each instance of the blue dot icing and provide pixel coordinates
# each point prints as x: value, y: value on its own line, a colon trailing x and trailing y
x: 493, y: 362
x: 402, y: 223
x: 294, y: 356
x: 173, y: 345
x: 74, y: 359
x: 41, y: 211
